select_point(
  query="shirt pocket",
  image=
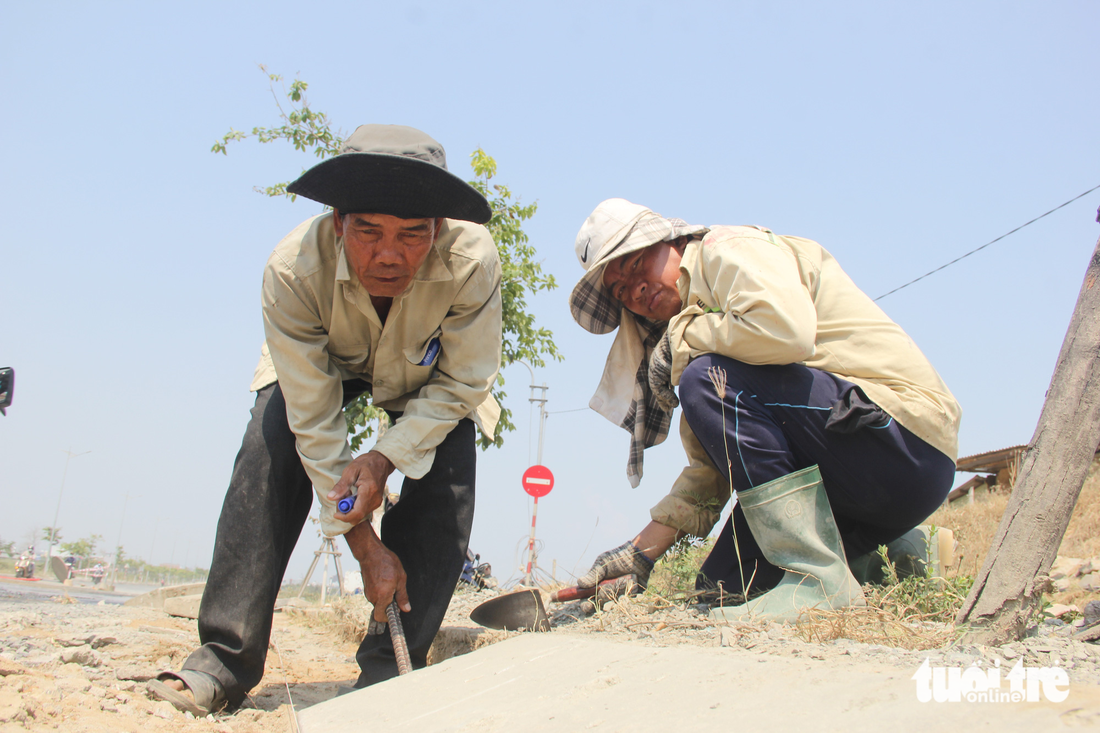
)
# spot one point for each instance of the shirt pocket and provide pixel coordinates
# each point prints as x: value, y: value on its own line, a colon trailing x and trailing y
x: 424, y: 355
x: 352, y: 357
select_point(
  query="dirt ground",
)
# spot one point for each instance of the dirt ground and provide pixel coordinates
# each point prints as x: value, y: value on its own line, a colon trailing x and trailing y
x: 83, y: 666
x: 80, y: 666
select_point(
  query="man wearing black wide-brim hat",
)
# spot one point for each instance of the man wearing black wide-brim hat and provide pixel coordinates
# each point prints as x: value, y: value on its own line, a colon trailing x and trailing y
x: 395, y: 292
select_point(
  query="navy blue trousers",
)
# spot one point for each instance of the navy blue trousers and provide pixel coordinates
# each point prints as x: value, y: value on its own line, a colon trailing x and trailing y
x: 881, y: 480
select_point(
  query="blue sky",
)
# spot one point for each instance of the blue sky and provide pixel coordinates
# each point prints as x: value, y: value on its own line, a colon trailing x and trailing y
x: 899, y: 136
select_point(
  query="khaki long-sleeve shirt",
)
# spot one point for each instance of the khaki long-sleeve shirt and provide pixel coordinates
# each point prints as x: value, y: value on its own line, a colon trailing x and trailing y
x: 761, y: 298
x: 434, y: 360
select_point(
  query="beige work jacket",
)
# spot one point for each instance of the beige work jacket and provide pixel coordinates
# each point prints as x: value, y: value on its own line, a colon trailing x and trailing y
x: 761, y: 298
x: 322, y: 329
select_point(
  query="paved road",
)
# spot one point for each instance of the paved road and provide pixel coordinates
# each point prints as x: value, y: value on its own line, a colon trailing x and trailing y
x: 29, y: 591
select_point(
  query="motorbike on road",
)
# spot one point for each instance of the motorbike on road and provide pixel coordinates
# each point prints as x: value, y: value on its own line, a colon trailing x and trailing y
x: 24, y: 566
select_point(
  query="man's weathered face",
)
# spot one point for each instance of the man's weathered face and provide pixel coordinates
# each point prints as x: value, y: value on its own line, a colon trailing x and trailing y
x: 644, y: 281
x: 384, y: 251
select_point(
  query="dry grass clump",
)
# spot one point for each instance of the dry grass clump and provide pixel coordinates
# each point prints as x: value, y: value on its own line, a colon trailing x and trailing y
x: 918, y: 613
x: 344, y: 617
x: 872, y: 624
x: 351, y: 616
x: 975, y: 524
x: 912, y: 613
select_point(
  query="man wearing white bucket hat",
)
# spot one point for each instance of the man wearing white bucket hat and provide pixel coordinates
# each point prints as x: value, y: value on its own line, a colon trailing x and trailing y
x: 396, y: 291
x: 799, y: 397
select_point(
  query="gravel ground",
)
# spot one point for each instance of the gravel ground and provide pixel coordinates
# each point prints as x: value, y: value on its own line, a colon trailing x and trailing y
x: 82, y: 667
x: 653, y: 622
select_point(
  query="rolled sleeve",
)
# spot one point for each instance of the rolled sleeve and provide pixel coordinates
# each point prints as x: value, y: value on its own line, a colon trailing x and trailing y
x: 699, y: 493
x: 468, y: 363
x: 311, y: 384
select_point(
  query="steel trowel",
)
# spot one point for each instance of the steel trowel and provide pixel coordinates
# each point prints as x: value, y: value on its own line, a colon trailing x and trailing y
x: 520, y: 611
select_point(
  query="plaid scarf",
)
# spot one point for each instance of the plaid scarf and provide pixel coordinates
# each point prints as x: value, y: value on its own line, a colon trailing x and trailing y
x: 597, y: 312
x: 646, y: 422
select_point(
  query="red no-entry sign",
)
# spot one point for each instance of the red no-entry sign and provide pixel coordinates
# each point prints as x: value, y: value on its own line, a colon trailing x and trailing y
x: 537, y: 481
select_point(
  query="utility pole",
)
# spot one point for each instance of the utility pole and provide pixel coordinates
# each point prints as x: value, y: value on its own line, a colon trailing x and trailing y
x: 541, y: 400
x: 154, y: 542
x: 118, y: 545
x: 57, y: 511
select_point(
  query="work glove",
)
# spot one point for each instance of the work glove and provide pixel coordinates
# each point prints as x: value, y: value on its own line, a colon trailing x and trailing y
x: 660, y: 375
x: 612, y: 590
x: 625, y: 559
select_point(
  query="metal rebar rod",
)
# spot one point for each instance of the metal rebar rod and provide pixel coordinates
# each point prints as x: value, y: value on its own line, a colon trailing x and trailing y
x: 397, y: 635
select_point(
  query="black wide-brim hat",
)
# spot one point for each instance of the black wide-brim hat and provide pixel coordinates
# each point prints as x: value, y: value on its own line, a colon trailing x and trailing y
x: 395, y: 170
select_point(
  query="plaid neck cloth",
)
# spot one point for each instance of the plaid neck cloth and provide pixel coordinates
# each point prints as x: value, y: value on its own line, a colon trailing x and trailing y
x: 597, y: 312
x: 646, y: 422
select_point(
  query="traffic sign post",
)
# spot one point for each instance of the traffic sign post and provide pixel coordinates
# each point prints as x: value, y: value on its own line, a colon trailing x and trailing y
x: 537, y: 481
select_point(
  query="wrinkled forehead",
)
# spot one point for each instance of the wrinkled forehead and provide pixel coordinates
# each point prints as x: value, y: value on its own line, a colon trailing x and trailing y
x: 369, y: 219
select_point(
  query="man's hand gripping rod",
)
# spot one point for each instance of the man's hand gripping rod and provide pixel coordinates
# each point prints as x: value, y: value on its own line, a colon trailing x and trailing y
x: 393, y: 614
x: 397, y: 636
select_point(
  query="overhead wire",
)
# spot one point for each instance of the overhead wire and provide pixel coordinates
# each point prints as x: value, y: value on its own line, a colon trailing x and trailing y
x: 916, y: 280
x: 979, y: 249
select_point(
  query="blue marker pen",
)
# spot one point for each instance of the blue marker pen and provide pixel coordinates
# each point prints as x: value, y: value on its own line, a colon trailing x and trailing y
x: 345, y: 504
x: 430, y: 353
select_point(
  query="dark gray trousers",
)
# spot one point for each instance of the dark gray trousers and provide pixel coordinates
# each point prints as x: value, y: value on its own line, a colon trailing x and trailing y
x: 265, y: 508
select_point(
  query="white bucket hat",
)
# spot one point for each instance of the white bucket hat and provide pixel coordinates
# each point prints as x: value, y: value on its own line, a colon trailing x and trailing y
x: 613, y: 230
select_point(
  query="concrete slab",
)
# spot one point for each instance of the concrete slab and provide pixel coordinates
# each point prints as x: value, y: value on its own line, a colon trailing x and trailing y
x: 451, y: 641
x: 156, y: 598
x: 559, y: 682
x: 183, y: 606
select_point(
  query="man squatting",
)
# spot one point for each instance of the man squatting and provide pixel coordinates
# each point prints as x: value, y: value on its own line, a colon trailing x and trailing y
x: 800, y: 397
x: 395, y: 292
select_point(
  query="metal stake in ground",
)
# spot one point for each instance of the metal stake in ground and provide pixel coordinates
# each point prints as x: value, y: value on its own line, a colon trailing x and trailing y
x: 397, y: 636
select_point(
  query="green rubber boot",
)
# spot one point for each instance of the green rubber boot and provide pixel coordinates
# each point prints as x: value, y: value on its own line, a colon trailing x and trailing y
x: 792, y: 522
x: 911, y: 554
